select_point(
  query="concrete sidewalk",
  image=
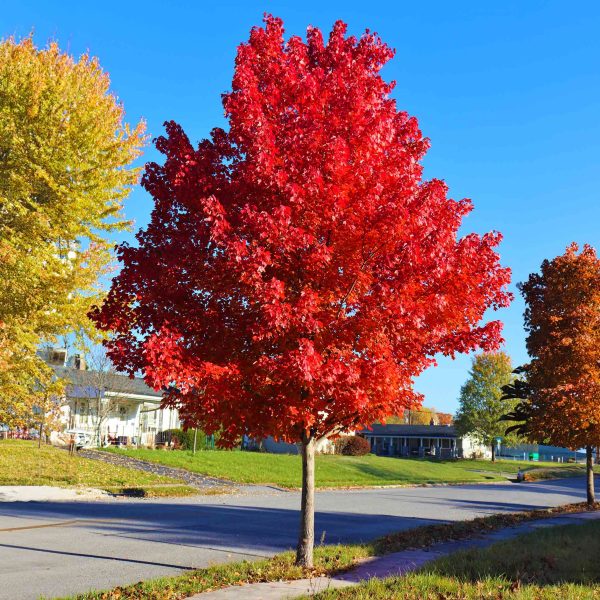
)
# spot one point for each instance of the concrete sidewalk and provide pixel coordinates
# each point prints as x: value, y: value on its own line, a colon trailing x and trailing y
x: 397, y: 563
x: 48, y: 493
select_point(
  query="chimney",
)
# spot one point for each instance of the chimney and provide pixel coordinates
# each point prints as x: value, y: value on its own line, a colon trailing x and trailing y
x: 57, y: 356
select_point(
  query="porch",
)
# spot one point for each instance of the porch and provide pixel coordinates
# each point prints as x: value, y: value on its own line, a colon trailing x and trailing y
x: 417, y: 447
x: 120, y: 422
x: 418, y: 441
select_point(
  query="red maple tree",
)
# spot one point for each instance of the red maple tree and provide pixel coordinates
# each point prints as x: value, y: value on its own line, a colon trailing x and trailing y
x: 297, y: 272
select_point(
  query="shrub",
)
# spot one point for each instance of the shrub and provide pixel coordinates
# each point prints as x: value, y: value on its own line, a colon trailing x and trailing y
x: 352, y: 445
x: 184, y: 440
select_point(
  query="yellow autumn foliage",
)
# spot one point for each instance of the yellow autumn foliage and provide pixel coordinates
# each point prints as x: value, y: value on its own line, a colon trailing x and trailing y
x: 66, y: 166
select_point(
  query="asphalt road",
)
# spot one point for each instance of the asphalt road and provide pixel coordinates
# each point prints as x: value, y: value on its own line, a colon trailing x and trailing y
x: 54, y: 549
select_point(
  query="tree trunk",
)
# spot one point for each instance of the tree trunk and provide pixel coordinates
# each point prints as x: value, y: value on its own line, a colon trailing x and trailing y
x: 195, y: 439
x: 41, y: 430
x: 306, y: 539
x: 42, y: 420
x: 493, y: 452
x: 589, y: 463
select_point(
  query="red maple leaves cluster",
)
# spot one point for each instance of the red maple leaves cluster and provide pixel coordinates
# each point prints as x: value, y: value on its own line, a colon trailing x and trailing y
x: 297, y: 272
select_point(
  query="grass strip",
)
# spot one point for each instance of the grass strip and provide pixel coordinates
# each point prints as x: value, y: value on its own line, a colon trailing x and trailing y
x: 550, y: 563
x: 155, y: 491
x: 555, y: 473
x: 547, y: 556
x: 427, y: 586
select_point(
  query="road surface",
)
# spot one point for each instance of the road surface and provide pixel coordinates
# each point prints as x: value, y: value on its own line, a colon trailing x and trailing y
x: 60, y: 548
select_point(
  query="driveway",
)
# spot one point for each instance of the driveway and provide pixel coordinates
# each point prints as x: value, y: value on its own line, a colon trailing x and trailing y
x: 61, y: 548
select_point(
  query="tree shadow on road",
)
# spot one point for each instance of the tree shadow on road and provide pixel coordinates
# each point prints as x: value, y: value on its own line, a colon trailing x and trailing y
x: 265, y: 530
x: 239, y: 528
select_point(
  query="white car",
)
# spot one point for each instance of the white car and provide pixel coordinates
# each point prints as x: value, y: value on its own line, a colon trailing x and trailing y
x: 82, y: 438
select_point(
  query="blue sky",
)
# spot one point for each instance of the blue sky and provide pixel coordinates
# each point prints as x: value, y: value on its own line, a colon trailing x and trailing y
x: 508, y: 92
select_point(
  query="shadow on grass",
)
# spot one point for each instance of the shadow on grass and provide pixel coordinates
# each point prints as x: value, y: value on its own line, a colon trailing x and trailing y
x: 380, y: 475
x: 442, y: 473
x: 133, y: 492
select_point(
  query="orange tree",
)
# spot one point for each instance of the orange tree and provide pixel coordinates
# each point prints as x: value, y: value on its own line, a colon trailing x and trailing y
x: 560, y: 395
x: 421, y: 416
x: 445, y: 418
x: 297, y: 272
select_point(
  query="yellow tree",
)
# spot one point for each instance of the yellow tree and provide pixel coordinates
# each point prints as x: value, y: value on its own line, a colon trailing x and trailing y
x: 561, y: 394
x: 420, y: 416
x: 415, y: 416
x: 66, y: 159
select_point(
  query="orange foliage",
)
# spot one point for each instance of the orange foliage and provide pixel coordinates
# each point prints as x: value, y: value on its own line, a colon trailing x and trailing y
x: 444, y: 419
x: 563, y: 321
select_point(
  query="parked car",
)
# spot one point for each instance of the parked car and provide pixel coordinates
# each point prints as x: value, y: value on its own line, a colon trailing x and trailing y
x: 82, y: 438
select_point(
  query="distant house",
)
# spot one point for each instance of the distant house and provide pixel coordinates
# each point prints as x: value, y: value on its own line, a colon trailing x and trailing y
x: 439, y: 441
x: 402, y: 440
x: 109, y: 406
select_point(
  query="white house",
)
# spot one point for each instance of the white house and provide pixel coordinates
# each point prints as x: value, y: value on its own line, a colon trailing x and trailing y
x: 111, y: 407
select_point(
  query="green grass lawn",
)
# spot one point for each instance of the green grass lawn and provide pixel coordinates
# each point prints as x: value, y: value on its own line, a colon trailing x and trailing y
x: 23, y: 463
x: 561, y: 562
x: 337, y: 471
x: 547, y: 556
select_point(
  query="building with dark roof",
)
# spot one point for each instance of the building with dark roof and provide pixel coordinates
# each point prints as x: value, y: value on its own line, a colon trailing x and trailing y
x: 440, y: 441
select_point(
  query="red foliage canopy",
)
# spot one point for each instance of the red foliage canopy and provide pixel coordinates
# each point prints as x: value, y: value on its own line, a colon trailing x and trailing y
x: 297, y: 273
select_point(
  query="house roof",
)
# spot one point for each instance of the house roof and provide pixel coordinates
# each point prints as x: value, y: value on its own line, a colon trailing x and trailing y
x: 112, y: 382
x: 403, y: 430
